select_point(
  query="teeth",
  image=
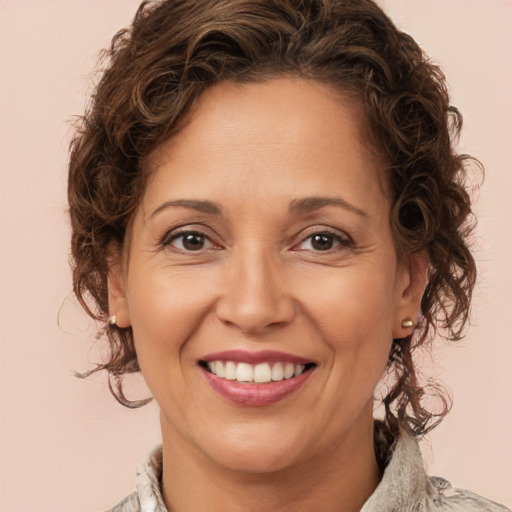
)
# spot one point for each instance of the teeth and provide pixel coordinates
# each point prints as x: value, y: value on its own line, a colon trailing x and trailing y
x: 244, y: 372
x: 289, y: 370
x: 260, y: 373
x: 277, y: 371
x: 298, y: 370
x: 230, y: 371
x: 219, y: 369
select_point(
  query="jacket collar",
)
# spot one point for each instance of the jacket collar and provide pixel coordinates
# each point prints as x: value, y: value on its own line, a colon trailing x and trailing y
x: 403, y: 483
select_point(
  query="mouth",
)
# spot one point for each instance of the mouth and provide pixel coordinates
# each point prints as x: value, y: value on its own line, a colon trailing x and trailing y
x: 255, y: 379
x: 262, y: 373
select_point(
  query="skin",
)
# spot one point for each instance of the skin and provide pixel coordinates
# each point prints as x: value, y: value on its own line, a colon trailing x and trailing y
x: 258, y: 282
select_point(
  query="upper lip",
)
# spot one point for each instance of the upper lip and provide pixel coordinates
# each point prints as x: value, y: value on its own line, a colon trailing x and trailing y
x: 263, y: 356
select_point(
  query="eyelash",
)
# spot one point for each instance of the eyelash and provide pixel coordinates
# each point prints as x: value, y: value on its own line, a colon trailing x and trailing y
x: 344, y: 241
x: 180, y: 233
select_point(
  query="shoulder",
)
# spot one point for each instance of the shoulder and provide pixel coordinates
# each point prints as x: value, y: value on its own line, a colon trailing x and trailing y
x: 446, y: 498
x: 406, y: 487
x: 129, y: 504
x: 148, y: 495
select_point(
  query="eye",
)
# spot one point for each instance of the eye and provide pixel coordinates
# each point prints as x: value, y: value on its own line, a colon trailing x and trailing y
x: 189, y: 241
x: 323, y: 241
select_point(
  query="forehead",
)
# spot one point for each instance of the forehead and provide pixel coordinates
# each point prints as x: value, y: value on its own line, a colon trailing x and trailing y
x: 301, y: 132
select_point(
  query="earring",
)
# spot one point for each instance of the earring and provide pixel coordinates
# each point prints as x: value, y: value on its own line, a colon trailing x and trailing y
x: 407, y: 323
x: 112, y: 320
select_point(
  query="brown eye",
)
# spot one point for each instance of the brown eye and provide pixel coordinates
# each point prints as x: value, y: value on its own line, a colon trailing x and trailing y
x: 190, y: 241
x: 193, y: 241
x: 322, y: 242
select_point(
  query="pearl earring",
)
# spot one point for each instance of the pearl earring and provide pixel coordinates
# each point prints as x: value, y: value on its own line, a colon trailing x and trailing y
x: 113, y: 320
x: 407, y: 323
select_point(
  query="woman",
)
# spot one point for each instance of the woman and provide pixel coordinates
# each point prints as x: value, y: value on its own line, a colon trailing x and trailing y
x: 268, y: 213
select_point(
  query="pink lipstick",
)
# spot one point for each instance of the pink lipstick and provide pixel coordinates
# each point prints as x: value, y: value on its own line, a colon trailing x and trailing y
x: 255, y: 378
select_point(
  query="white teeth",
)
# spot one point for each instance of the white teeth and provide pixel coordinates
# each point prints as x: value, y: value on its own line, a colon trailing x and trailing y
x: 219, y: 369
x: 230, y: 371
x: 289, y: 370
x: 244, y: 372
x: 277, y: 371
x: 299, y: 368
x: 260, y: 373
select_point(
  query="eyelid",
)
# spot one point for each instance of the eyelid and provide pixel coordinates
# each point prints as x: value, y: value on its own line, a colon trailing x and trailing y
x: 186, y: 229
x: 344, y: 239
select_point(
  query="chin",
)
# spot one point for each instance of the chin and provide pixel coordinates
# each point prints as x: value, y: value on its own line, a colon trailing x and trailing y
x: 257, y: 449
x: 255, y: 459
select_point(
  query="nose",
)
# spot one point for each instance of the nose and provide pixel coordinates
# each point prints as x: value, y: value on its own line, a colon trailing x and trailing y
x: 255, y: 297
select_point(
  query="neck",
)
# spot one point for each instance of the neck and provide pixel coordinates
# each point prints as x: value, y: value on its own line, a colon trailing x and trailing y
x: 339, y: 480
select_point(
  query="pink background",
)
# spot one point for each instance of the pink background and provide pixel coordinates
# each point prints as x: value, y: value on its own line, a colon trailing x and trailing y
x: 65, y: 444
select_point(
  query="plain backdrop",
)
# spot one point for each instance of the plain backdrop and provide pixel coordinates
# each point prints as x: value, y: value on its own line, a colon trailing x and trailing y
x: 66, y: 445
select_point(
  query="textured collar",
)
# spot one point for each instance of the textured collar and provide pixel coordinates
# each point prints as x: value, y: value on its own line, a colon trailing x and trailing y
x: 404, y: 480
x: 149, y: 478
x: 404, y: 487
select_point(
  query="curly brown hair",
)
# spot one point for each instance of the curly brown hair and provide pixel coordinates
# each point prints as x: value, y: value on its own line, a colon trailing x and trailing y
x: 175, y: 49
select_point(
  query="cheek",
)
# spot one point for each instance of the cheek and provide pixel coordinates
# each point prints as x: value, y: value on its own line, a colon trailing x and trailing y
x: 165, y: 310
x: 352, y: 300
x: 354, y: 313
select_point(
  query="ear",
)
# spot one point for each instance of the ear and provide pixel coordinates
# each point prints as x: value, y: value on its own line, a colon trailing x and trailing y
x: 117, y: 303
x: 412, y: 280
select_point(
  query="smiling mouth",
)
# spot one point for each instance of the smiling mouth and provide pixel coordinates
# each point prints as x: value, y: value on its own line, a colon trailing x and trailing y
x: 262, y: 373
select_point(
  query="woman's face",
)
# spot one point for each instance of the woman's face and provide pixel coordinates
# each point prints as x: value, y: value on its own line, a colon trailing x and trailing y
x: 262, y: 247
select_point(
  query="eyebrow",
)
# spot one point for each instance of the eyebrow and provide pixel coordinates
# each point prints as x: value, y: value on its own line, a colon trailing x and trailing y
x: 194, y: 204
x: 308, y: 204
x: 303, y: 205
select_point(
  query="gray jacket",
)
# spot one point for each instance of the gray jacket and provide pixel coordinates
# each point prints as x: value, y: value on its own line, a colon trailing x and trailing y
x: 404, y: 487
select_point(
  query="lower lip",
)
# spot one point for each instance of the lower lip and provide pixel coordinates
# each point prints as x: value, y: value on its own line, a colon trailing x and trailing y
x: 255, y: 395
